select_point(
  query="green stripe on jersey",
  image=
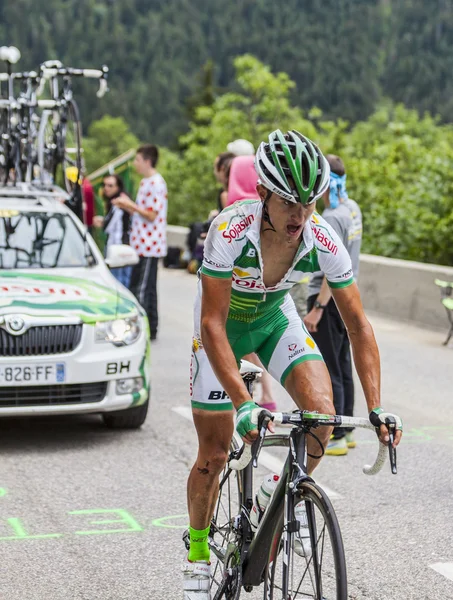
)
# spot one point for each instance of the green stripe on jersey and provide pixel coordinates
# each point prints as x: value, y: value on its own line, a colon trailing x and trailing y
x: 218, y: 274
x: 341, y: 284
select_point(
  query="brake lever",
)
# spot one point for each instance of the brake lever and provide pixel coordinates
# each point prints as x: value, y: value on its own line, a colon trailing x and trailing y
x: 391, y: 426
x: 263, y: 421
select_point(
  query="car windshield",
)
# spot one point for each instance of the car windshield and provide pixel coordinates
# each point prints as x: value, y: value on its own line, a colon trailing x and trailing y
x: 41, y: 240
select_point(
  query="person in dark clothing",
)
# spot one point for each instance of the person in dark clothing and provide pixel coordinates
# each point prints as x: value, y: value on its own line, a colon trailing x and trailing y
x: 323, y: 320
x: 116, y: 222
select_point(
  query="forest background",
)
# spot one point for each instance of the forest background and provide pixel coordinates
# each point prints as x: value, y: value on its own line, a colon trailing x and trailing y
x: 370, y: 80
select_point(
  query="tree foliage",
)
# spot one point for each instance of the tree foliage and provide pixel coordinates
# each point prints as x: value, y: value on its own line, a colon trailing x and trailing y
x: 399, y: 164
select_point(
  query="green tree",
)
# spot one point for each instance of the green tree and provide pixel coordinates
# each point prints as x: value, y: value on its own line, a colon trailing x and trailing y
x: 400, y: 169
x: 107, y: 138
x: 260, y: 105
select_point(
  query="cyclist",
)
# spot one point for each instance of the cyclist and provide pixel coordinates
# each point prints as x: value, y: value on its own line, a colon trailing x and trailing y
x: 256, y: 250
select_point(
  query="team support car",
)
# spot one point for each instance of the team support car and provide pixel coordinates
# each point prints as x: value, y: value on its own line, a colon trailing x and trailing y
x: 72, y: 338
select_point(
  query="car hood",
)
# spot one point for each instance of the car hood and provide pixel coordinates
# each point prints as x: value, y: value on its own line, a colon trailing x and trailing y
x: 92, y: 294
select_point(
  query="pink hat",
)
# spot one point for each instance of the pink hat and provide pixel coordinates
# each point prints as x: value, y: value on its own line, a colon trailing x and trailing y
x: 243, y: 179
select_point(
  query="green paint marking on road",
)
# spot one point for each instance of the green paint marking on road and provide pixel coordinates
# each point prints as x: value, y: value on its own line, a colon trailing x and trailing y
x: 162, y: 522
x: 420, y: 435
x: 125, y: 518
x: 3, y: 492
x: 21, y: 533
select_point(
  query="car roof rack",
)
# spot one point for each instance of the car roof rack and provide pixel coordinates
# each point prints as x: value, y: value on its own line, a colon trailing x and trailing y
x: 32, y: 191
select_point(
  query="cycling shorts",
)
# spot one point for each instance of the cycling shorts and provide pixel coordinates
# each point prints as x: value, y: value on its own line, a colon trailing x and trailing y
x: 280, y: 339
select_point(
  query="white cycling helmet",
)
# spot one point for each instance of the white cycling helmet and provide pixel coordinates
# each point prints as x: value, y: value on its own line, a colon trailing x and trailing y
x: 293, y: 167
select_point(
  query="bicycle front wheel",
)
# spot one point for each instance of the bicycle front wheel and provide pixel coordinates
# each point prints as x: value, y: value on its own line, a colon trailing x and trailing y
x: 224, y: 538
x: 316, y: 569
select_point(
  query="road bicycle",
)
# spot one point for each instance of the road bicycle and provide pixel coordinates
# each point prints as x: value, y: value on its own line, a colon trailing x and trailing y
x: 290, y: 566
x: 18, y: 128
x: 49, y: 142
x: 60, y: 130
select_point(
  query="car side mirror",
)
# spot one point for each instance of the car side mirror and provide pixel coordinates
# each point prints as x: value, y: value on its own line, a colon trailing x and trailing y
x: 120, y: 255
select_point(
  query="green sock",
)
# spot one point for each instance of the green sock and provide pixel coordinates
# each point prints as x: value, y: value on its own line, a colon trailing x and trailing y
x: 199, y: 549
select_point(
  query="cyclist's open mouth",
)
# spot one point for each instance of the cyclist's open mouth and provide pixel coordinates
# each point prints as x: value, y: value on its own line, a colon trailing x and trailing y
x: 294, y: 230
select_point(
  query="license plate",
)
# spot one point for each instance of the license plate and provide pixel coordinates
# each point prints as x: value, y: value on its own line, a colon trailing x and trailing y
x: 32, y: 374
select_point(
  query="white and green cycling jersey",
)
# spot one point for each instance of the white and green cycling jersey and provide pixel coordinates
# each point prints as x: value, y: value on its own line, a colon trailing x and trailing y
x: 261, y: 319
x: 232, y: 249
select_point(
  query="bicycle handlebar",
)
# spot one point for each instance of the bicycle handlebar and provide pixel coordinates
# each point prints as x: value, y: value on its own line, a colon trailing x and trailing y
x: 251, y: 451
x: 49, y: 71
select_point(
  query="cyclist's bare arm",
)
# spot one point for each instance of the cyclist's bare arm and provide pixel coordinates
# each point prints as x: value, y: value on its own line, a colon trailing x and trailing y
x: 364, y: 347
x: 214, y: 312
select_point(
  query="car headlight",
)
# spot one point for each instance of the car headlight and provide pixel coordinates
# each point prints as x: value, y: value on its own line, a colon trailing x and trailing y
x: 120, y: 332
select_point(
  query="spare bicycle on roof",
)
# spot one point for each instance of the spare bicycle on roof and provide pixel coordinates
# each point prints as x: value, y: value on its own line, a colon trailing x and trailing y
x: 40, y: 137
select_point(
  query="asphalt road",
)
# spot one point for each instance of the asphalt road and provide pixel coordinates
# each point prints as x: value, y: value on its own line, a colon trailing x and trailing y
x: 87, y: 513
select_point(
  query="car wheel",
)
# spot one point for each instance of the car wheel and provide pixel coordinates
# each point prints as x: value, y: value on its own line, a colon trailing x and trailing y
x: 130, y: 418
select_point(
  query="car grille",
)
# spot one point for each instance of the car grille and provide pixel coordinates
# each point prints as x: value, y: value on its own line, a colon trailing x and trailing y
x: 39, y: 341
x: 51, y: 395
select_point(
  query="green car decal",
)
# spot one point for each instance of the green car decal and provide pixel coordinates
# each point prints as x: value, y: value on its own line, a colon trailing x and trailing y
x: 88, y: 300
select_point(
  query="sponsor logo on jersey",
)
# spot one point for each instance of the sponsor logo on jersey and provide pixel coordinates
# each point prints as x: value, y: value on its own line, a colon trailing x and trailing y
x: 222, y: 226
x: 246, y: 283
x: 292, y: 347
x: 347, y: 275
x: 325, y: 241
x: 240, y: 273
x: 237, y: 228
x: 251, y: 253
x: 208, y: 261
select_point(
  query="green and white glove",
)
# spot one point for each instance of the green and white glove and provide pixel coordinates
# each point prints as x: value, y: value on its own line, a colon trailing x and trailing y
x: 378, y: 416
x: 245, y: 419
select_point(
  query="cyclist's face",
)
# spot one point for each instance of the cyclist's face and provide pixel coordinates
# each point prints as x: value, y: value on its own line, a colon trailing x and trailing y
x: 288, y: 218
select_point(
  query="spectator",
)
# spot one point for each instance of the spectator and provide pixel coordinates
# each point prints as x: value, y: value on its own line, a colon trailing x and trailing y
x: 115, y: 223
x: 148, y: 231
x: 242, y: 180
x: 323, y: 319
x: 222, y: 165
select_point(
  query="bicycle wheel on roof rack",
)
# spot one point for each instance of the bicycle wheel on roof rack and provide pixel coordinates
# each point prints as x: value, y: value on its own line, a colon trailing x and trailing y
x: 4, y: 147
x: 47, y: 149
x: 71, y: 139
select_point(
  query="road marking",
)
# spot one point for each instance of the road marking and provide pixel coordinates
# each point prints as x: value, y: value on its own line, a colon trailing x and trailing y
x: 267, y: 459
x: 445, y: 569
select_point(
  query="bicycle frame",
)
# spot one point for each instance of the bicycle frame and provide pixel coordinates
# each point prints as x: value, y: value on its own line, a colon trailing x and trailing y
x: 255, y: 552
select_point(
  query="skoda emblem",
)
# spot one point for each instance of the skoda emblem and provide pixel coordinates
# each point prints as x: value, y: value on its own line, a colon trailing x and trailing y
x: 15, y: 324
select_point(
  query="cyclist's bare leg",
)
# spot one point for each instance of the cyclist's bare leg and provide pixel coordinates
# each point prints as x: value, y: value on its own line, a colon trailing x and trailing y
x: 215, y: 430
x: 309, y: 386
